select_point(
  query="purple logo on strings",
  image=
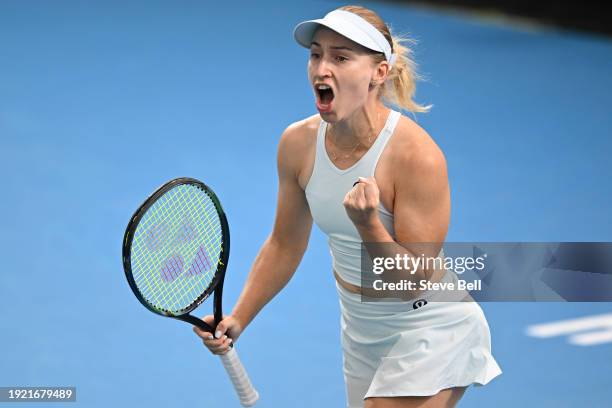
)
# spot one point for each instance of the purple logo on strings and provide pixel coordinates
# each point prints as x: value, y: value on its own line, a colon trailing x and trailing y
x: 172, y: 267
x: 200, y: 264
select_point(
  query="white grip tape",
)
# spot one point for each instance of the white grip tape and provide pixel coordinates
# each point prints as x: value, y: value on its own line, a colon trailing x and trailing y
x: 247, y: 394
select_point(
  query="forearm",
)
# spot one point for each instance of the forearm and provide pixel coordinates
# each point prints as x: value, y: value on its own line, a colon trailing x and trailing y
x: 273, y: 268
x: 380, y: 244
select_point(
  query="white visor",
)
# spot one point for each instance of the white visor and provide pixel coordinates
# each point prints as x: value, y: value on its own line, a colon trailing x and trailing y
x: 349, y: 25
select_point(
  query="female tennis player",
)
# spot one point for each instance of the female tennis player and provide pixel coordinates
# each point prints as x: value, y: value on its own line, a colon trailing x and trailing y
x: 366, y: 173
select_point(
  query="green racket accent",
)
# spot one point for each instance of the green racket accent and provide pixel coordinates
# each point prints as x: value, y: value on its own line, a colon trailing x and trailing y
x: 176, y: 249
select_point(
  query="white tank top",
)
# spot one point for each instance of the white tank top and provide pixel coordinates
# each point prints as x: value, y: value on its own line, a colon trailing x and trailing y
x: 325, y: 192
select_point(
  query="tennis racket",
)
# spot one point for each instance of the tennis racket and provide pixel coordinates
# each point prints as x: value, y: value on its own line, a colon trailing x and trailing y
x: 175, y: 253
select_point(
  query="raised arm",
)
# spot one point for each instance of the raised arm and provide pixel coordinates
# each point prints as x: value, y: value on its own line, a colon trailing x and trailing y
x: 421, y: 210
x: 282, y: 251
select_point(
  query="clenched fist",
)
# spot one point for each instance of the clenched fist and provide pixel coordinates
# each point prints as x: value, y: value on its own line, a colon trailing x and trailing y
x: 361, y: 202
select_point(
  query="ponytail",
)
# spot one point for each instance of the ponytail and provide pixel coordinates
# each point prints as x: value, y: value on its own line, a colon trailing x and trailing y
x: 400, y: 86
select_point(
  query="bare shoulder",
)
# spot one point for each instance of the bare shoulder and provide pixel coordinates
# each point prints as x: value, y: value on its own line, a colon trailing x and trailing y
x: 414, y: 151
x: 297, y: 145
x: 300, y: 134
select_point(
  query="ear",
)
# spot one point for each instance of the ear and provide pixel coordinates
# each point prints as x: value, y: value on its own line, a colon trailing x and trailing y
x: 380, y: 73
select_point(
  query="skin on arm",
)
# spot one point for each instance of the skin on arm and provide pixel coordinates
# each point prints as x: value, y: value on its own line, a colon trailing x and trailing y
x: 421, y: 210
x: 282, y: 251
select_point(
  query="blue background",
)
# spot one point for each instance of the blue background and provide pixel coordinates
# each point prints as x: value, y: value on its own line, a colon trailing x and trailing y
x: 102, y: 102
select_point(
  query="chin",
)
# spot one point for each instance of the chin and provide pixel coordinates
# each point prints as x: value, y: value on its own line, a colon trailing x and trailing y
x: 329, y: 117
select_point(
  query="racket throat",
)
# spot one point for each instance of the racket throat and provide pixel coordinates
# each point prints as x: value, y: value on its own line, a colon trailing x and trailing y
x: 217, y: 311
x: 196, y: 322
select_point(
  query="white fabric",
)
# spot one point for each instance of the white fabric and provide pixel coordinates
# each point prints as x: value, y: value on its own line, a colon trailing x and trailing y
x: 391, y: 349
x: 326, y: 190
x: 351, y: 26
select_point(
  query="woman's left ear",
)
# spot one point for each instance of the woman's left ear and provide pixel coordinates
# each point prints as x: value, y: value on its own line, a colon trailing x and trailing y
x: 382, y: 73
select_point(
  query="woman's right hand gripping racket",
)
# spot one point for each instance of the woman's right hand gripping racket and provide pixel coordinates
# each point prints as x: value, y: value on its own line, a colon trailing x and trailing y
x: 175, y: 253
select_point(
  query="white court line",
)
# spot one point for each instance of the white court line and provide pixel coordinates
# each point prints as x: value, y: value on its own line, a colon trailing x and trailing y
x: 591, y: 339
x: 571, y: 326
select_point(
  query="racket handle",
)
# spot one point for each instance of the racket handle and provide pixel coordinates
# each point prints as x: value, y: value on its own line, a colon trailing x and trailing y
x: 247, y: 394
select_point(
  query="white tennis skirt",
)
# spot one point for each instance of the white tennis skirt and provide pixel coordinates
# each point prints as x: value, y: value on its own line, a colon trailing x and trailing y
x: 392, y: 349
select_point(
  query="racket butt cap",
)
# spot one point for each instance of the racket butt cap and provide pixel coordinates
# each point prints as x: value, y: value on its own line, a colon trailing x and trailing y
x: 251, y: 401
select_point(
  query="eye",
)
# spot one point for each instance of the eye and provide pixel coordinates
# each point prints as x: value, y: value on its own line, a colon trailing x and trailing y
x: 341, y: 58
x: 314, y: 55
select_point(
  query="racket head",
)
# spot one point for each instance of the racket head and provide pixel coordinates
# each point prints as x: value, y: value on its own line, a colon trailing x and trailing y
x: 176, y: 247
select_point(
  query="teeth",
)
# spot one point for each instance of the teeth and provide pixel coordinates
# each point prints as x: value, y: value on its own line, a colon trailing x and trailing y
x: 323, y: 87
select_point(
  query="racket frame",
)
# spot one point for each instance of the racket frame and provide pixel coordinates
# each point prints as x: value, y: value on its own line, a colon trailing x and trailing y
x: 216, y: 284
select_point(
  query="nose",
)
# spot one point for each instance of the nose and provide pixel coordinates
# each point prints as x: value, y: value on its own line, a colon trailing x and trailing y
x: 321, y: 68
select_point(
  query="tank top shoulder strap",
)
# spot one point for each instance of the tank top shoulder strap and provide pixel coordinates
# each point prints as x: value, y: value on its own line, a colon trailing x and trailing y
x: 320, y: 148
x: 380, y: 143
x: 321, y: 137
x: 319, y: 158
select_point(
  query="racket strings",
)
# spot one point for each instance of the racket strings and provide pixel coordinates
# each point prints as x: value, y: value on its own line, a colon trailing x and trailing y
x: 173, y: 261
x: 191, y: 293
x: 179, y: 297
x: 176, y: 248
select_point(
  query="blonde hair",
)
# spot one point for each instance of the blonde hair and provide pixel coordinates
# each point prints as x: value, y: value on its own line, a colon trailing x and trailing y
x: 400, y: 86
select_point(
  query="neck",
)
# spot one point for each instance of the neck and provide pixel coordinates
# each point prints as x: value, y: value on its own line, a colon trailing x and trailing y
x: 361, y: 127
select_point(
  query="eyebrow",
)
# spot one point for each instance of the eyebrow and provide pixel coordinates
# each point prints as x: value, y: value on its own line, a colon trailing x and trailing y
x: 333, y: 48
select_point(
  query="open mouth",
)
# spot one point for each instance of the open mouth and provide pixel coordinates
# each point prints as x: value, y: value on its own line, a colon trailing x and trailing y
x: 325, y: 96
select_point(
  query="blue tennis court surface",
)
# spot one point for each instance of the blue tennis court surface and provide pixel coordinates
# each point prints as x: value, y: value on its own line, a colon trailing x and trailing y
x: 100, y: 103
